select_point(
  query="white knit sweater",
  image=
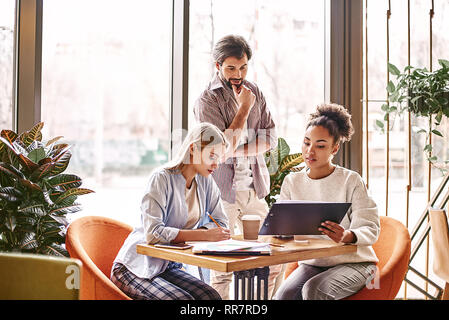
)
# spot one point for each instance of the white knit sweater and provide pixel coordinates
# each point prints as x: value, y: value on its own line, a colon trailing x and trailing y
x: 342, y: 185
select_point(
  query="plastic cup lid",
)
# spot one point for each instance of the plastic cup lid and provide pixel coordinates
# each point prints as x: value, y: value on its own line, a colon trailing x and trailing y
x: 251, y: 217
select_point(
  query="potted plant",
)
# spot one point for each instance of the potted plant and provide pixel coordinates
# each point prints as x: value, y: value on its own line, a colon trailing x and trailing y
x: 35, y: 194
x: 423, y: 93
x: 280, y: 163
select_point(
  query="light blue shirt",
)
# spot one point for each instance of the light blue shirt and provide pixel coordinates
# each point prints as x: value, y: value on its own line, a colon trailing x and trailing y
x: 163, y: 213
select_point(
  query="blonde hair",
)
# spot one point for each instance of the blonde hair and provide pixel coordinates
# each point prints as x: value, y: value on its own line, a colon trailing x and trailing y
x: 202, y: 135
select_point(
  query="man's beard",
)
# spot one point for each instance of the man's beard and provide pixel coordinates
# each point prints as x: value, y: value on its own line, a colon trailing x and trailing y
x: 228, y: 82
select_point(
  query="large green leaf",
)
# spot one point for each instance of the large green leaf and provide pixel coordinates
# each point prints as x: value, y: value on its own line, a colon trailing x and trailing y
x: 31, y: 186
x: 69, y: 194
x: 54, y: 250
x: 446, y: 111
x: 46, y: 195
x: 444, y: 63
x: 11, y: 171
x: 390, y: 87
x: 35, y: 145
x: 291, y: 161
x: 53, y: 230
x: 438, y: 133
x: 415, y: 99
x: 10, y: 222
x: 11, y: 157
x: 61, y: 161
x: 42, y: 171
x: 271, y: 159
x: 60, y: 219
x: 37, y: 155
x: 3, y: 153
x: 2, y: 148
x: 7, y: 144
x: 34, y: 134
x: 10, y: 194
x: 65, y: 210
x: 17, y: 151
x: 37, y: 209
x: 9, y: 135
x: 56, y: 149
x: 20, y: 147
x: 283, y: 148
x: 53, y: 141
x: 274, y: 157
x: 393, y: 69
x: 28, y: 164
x: 433, y: 103
x: 29, y: 241
x: 65, y: 181
x: 26, y: 223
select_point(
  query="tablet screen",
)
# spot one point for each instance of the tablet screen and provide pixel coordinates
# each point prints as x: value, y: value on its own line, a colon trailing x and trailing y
x: 294, y: 217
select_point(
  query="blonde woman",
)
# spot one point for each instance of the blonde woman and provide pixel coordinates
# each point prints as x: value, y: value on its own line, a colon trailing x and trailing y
x: 174, y: 209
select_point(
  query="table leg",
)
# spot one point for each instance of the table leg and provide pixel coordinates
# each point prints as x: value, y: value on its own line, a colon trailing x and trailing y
x: 262, y: 274
x: 200, y: 272
x: 248, y: 276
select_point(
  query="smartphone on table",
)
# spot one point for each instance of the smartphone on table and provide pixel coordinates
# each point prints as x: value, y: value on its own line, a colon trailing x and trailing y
x: 180, y: 246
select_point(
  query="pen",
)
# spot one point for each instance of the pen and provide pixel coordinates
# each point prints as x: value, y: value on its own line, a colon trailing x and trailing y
x: 214, y: 220
x: 276, y: 245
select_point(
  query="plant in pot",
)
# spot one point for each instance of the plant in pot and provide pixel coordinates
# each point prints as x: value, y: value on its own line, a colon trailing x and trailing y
x: 280, y: 163
x: 423, y: 93
x: 35, y: 194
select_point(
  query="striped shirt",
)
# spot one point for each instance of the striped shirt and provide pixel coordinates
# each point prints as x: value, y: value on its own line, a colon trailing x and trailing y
x: 217, y: 105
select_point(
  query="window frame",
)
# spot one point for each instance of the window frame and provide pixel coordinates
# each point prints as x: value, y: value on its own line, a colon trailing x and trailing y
x: 343, y: 67
x: 27, y: 64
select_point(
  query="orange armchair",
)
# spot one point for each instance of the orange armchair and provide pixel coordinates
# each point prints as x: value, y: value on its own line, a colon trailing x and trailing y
x: 393, y: 251
x: 96, y: 241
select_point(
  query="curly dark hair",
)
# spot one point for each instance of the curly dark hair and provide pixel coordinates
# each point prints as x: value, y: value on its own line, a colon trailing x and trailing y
x: 335, y: 118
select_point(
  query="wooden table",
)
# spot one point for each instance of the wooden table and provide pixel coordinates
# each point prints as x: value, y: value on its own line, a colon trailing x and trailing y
x: 252, y: 266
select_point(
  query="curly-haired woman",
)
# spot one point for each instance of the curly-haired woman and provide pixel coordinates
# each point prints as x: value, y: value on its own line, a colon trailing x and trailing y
x: 339, y: 276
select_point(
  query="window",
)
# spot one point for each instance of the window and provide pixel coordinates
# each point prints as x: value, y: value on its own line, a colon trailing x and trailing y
x: 394, y: 203
x: 105, y: 88
x: 7, y: 13
x: 287, y: 38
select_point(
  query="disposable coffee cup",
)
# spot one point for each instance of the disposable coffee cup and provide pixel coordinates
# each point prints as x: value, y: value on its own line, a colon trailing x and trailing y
x: 251, y: 225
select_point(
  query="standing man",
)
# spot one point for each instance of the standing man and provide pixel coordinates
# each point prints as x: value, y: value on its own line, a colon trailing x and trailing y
x: 238, y: 108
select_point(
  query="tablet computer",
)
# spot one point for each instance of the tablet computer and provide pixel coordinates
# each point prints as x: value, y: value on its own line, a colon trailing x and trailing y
x: 296, y: 217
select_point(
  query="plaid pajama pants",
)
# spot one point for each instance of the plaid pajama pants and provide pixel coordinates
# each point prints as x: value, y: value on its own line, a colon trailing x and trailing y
x: 172, y: 284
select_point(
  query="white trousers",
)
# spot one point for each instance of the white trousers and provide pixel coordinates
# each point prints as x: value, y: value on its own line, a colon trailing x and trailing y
x: 246, y: 202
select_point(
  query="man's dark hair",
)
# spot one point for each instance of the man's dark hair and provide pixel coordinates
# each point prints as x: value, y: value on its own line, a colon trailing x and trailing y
x: 231, y: 46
